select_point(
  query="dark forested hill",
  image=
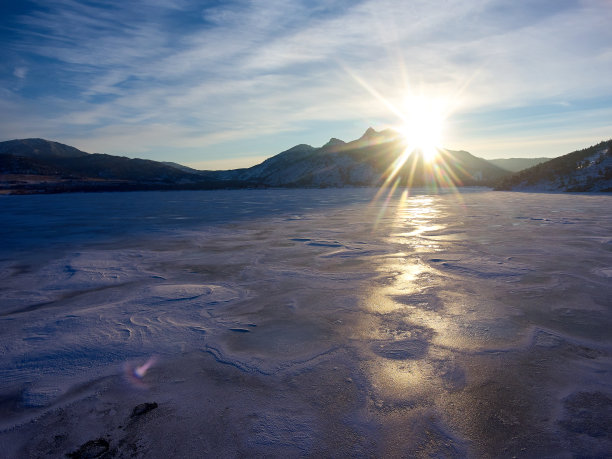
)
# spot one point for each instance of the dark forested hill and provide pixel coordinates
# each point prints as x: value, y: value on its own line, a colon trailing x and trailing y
x: 43, y: 166
x: 589, y: 169
x: 39, y: 148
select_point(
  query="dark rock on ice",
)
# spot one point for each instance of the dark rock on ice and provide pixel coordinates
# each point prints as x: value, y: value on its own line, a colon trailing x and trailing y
x: 91, y: 449
x: 143, y: 408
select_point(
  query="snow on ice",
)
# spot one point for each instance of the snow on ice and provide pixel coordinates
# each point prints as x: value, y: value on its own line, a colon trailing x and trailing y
x: 306, y: 322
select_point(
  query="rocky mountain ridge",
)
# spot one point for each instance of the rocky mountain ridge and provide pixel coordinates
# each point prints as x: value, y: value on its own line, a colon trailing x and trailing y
x: 367, y: 161
x: 376, y: 158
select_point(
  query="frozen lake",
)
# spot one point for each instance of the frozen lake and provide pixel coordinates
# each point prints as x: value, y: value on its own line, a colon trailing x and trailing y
x: 306, y: 323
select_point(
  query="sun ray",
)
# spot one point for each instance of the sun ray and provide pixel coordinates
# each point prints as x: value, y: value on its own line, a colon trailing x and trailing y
x: 377, y: 95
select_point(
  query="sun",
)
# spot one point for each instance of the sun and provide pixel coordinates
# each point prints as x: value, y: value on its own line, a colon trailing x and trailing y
x: 423, y: 125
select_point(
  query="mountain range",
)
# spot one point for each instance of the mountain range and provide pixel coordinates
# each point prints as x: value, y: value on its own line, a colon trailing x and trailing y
x: 367, y: 161
x: 43, y: 166
x: 517, y: 164
x: 375, y: 159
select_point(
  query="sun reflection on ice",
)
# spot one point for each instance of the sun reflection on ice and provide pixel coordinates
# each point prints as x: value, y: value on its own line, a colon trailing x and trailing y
x: 398, y: 379
x: 404, y: 319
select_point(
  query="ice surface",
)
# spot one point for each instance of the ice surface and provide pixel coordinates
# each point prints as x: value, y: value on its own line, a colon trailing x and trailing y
x: 306, y: 322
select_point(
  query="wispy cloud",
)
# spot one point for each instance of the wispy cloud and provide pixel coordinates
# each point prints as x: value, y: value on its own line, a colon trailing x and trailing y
x: 20, y: 72
x: 145, y: 78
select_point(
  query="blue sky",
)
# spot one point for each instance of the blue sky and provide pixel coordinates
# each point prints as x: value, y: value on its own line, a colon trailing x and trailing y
x: 227, y: 84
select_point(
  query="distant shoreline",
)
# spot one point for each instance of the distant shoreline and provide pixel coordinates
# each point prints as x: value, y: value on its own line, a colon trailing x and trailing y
x: 28, y: 185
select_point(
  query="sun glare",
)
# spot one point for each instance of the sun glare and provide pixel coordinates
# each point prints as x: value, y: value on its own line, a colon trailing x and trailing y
x: 422, y: 117
x: 423, y: 126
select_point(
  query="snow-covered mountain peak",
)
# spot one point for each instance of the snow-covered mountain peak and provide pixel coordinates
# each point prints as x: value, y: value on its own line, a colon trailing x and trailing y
x: 334, y: 142
x: 370, y: 132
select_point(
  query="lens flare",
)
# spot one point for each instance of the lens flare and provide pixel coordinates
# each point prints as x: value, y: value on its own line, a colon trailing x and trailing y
x: 135, y: 374
x: 140, y: 371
